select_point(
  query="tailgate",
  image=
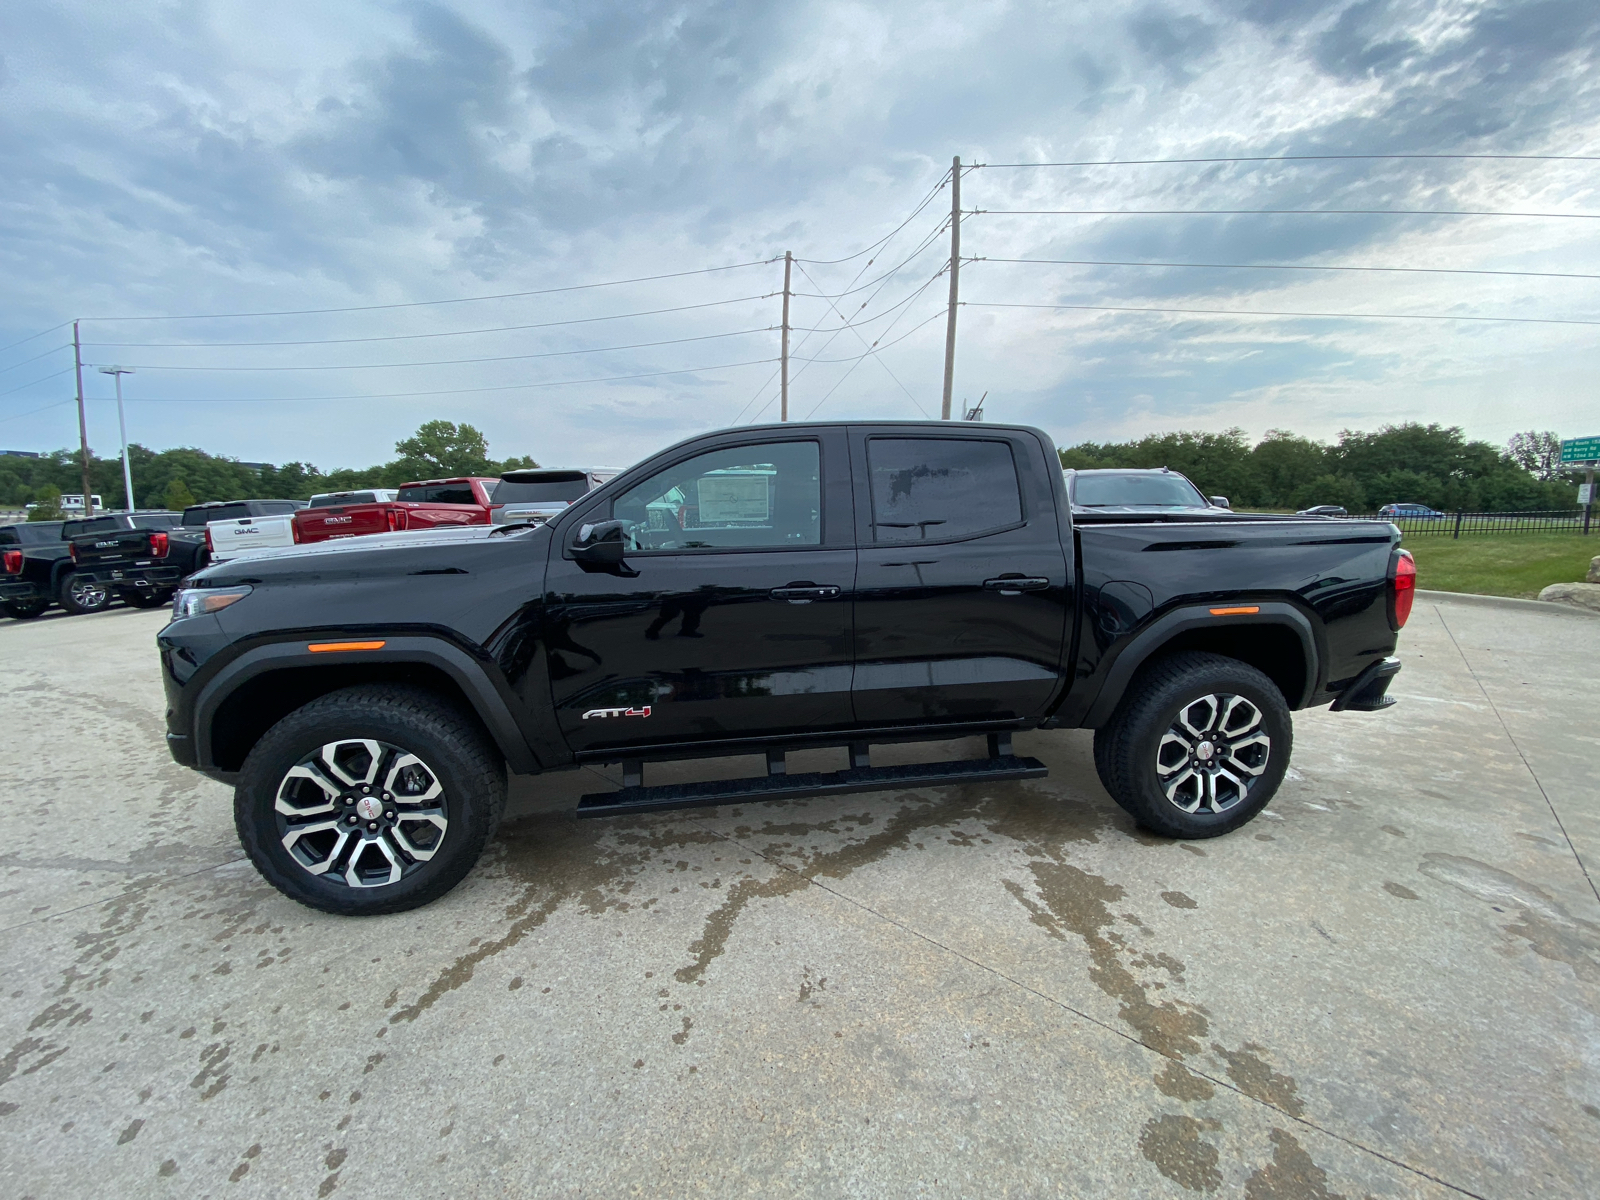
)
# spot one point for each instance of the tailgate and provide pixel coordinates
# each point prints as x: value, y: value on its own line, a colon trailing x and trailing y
x: 250, y: 533
x: 116, y: 547
x: 356, y: 520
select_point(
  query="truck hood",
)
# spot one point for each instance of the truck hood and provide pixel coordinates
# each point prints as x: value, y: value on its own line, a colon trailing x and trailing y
x: 377, y: 554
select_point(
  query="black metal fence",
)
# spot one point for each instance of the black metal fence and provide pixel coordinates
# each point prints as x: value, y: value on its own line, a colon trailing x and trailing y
x: 1463, y: 524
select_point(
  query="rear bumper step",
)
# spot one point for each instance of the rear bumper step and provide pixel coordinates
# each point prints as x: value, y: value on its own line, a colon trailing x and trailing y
x: 780, y: 786
x: 1368, y: 692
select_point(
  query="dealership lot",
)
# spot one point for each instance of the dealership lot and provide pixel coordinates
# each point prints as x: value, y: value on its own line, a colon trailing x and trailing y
x: 1385, y: 986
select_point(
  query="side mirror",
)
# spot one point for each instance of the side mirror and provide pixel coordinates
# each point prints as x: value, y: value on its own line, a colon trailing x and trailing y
x: 1221, y: 502
x: 600, y: 545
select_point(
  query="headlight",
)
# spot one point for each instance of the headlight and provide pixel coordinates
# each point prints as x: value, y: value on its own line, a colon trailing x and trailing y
x: 193, y: 602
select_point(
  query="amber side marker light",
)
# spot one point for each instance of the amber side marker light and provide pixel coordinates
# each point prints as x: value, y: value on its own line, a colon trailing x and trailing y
x: 333, y: 647
x: 1235, y: 612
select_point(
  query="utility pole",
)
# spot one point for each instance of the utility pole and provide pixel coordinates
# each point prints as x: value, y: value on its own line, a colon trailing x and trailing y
x: 83, y: 423
x: 783, y: 407
x: 122, y: 423
x: 955, y: 286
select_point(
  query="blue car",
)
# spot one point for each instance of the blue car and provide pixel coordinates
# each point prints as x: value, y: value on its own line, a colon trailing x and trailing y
x: 1410, y: 512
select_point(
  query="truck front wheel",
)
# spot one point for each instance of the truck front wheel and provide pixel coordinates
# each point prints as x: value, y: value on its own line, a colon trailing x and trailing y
x: 1198, y: 746
x: 373, y: 799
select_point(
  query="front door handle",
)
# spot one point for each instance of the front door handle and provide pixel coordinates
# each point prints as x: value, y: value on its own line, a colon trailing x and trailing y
x: 797, y: 593
x: 1015, y: 585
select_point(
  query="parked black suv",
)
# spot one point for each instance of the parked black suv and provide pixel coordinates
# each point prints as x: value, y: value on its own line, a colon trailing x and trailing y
x: 757, y: 591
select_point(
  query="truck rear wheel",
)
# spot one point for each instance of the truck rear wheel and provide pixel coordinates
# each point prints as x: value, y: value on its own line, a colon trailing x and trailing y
x: 145, y: 599
x: 374, y: 799
x: 81, y: 594
x: 25, y: 610
x: 1198, y: 747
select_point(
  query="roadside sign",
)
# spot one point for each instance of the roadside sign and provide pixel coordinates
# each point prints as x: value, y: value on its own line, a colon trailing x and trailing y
x: 1584, y: 449
x: 1585, y: 494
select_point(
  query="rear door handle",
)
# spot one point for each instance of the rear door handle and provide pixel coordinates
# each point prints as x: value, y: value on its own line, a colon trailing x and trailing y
x: 806, y: 593
x: 1015, y: 585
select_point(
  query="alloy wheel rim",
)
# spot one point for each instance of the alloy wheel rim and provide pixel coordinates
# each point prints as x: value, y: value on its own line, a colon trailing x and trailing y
x: 1213, y: 752
x: 88, y: 594
x: 361, y: 813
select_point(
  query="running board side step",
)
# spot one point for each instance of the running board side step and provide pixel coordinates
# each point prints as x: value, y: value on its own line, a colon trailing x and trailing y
x: 778, y: 784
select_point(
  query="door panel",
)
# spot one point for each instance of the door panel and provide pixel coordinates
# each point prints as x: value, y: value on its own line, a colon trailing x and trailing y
x: 696, y: 647
x: 963, y: 627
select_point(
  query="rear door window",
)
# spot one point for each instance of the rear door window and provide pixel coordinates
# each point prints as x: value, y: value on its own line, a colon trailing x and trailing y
x: 936, y: 489
x: 439, y: 493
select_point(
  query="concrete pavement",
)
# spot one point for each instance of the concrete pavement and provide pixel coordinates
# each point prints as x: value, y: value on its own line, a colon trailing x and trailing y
x: 1386, y: 985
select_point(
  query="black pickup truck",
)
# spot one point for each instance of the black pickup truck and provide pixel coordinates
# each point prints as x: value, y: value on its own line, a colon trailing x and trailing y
x: 33, y: 561
x: 143, y: 562
x: 758, y: 591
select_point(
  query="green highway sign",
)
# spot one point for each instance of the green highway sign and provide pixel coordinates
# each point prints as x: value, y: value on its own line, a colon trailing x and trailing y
x: 1584, y: 449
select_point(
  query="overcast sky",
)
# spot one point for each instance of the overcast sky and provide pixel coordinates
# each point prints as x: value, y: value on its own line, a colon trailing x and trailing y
x: 201, y: 157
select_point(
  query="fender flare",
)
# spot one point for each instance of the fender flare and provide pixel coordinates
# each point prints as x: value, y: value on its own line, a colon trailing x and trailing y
x: 491, y: 706
x: 1149, y: 641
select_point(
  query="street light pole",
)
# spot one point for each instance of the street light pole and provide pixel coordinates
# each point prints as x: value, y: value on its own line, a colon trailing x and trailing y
x: 127, y: 471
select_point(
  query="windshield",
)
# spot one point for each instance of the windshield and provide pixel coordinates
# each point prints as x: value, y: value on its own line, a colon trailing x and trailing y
x: 547, y: 487
x: 1136, y: 490
x: 328, y: 499
x: 93, y: 525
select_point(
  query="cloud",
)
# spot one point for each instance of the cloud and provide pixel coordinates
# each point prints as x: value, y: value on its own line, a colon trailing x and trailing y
x: 217, y: 159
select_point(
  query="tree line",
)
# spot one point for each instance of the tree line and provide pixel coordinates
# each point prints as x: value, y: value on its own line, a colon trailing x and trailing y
x: 1425, y: 464
x: 174, y: 479
x: 1422, y: 464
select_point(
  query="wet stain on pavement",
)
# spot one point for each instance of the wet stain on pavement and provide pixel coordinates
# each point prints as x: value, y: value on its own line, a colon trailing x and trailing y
x: 1549, y: 929
x: 1177, y: 1081
x: 1173, y: 1143
x: 1259, y: 1081
x: 1179, y: 900
x: 1400, y: 890
x: 1291, y: 1175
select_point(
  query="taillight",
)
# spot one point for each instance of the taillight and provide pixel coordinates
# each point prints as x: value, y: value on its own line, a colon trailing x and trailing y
x: 294, y: 530
x: 13, y: 562
x: 160, y: 543
x: 210, y: 548
x: 1403, y: 588
x: 72, y: 549
x: 396, y: 519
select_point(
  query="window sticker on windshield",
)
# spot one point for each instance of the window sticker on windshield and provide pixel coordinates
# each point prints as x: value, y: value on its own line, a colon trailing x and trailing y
x: 730, y: 499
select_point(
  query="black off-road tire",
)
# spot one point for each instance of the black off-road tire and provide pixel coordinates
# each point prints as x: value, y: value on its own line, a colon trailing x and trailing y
x: 25, y: 610
x: 145, y: 599
x: 78, y: 595
x: 451, y: 743
x: 1126, y: 750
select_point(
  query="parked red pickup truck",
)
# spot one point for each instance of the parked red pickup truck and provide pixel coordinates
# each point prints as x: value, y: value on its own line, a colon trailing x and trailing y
x: 428, y: 504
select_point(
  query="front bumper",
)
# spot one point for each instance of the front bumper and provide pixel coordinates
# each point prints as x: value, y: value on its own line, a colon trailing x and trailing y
x: 1368, y: 691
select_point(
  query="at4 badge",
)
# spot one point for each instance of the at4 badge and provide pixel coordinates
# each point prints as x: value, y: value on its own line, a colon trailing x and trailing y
x: 617, y: 712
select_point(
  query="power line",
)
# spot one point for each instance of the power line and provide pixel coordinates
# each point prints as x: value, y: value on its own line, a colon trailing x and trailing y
x: 405, y: 337
x: 1260, y: 212
x: 877, y: 349
x: 1145, y: 162
x: 851, y: 369
x: 37, y: 357
x: 25, y: 386
x: 450, y: 362
x: 512, y: 387
x: 1078, y: 262
x: 873, y: 345
x: 926, y: 200
x: 303, y: 312
x: 1239, y: 312
x: 31, y: 411
x: 31, y: 336
x: 922, y: 246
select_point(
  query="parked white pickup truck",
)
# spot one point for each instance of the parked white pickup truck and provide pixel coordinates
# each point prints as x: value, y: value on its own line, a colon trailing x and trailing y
x: 228, y: 539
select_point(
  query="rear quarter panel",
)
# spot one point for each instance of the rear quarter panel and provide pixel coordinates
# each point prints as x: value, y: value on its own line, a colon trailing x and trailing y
x: 1335, y: 572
